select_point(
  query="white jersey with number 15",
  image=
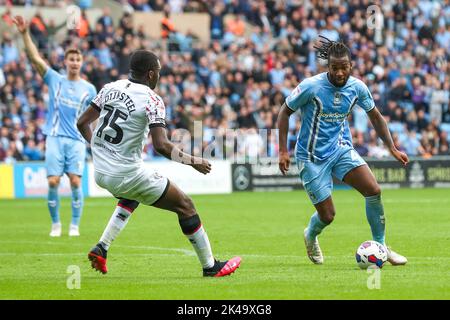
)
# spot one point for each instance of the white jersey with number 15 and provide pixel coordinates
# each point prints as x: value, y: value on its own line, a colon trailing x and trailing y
x: 127, y: 112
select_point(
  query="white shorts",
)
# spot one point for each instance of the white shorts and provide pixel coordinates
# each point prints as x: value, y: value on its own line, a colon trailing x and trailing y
x: 144, y: 186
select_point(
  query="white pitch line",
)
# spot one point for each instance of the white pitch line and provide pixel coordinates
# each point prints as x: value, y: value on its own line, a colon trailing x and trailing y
x: 265, y: 256
x: 185, y: 252
x: 178, y: 250
x: 77, y: 254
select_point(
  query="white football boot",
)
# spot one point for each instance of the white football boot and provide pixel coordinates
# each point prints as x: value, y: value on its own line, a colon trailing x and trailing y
x: 394, y: 258
x: 74, y: 231
x: 56, y: 230
x: 313, y: 249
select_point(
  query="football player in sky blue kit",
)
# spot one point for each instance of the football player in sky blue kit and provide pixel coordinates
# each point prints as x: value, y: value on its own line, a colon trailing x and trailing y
x: 69, y: 96
x: 324, y: 145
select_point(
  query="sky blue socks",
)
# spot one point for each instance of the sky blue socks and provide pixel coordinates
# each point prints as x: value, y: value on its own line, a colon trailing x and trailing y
x: 375, y: 216
x: 315, y: 226
x: 53, y: 204
x: 77, y: 205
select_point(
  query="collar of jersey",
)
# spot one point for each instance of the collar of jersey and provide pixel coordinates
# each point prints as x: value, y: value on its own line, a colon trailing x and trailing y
x: 136, y: 81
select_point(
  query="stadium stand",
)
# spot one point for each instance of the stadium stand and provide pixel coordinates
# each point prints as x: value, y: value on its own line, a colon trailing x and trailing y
x: 257, y: 53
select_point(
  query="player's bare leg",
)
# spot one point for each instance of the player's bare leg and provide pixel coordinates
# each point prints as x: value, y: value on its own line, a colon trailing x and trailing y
x: 53, y: 205
x: 177, y: 201
x: 77, y: 204
x: 362, y: 179
x: 319, y: 220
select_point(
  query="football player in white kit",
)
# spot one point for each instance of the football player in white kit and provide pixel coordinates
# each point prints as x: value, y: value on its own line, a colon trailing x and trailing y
x: 127, y: 110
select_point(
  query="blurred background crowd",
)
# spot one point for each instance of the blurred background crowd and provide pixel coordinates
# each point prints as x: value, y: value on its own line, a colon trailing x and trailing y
x: 240, y: 78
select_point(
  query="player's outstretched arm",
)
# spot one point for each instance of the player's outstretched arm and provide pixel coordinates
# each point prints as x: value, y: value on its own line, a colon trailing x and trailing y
x: 380, y: 126
x: 83, y: 124
x: 167, y: 149
x: 30, y: 48
x: 283, y: 126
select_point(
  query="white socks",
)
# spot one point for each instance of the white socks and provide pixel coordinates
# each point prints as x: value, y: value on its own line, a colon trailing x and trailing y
x: 118, y: 221
x: 200, y: 242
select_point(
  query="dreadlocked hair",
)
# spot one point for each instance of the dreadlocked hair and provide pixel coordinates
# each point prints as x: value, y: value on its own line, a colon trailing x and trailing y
x: 330, y: 48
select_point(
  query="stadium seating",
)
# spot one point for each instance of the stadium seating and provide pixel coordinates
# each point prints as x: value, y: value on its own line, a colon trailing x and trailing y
x: 240, y: 75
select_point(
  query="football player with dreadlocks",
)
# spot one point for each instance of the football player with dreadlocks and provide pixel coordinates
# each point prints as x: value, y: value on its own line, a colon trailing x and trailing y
x: 324, y: 144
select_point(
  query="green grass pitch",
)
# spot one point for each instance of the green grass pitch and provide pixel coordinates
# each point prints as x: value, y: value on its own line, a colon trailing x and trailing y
x: 152, y: 259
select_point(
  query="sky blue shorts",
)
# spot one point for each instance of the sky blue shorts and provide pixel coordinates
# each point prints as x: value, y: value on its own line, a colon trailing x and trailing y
x: 64, y: 155
x: 317, y: 176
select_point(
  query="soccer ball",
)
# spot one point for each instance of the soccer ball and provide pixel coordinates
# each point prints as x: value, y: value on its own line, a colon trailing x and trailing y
x: 371, y: 253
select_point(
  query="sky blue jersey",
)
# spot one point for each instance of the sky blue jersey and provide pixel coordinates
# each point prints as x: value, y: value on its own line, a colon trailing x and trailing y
x: 67, y: 101
x: 324, y: 111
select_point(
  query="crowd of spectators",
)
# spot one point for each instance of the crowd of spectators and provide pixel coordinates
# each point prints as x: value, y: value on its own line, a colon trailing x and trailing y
x: 32, y: 3
x: 240, y: 78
